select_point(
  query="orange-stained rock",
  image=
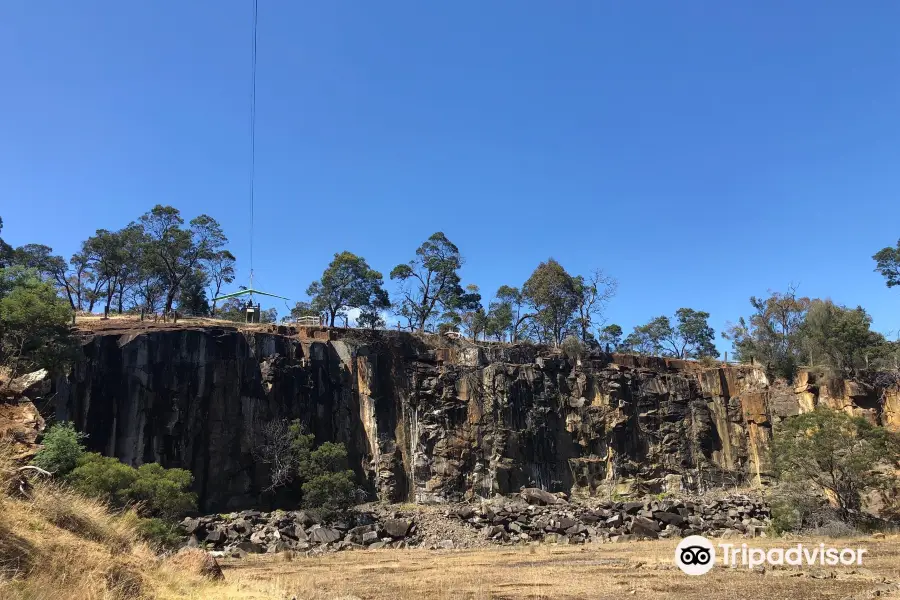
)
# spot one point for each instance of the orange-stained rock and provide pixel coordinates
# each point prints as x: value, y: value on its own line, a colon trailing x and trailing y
x: 755, y: 405
x: 891, y: 414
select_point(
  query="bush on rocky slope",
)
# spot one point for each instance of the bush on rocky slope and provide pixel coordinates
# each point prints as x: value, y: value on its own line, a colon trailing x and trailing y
x: 326, y: 481
x: 61, y: 449
x: 58, y: 544
x: 829, y: 457
x: 153, y: 490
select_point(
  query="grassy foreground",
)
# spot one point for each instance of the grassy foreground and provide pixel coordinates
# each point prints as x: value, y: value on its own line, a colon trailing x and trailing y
x: 58, y: 545
x: 61, y: 546
x: 601, y: 571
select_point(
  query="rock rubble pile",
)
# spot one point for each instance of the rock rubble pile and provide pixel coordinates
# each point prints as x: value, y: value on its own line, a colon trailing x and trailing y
x: 531, y: 517
x: 541, y: 516
x: 251, y: 531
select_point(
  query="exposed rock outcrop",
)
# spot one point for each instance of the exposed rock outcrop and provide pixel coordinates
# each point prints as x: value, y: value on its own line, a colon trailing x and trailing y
x: 20, y: 421
x: 433, y: 420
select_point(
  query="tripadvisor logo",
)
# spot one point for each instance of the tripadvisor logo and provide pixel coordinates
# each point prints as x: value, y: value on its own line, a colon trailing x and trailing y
x: 695, y: 555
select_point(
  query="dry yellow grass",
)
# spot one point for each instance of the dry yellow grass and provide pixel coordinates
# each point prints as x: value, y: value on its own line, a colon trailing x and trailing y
x: 61, y: 546
x: 641, y: 570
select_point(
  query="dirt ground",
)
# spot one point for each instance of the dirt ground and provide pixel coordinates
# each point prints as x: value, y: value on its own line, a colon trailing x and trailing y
x: 130, y: 323
x: 637, y: 569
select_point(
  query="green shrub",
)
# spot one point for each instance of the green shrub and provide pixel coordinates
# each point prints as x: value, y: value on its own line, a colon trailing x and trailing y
x: 331, y: 493
x: 572, y: 347
x: 327, y: 458
x: 161, y: 534
x: 103, y: 477
x: 61, y: 449
x: 162, y: 492
x: 155, y: 491
x: 708, y: 362
x: 785, y: 517
x: 328, y: 483
x: 828, y: 453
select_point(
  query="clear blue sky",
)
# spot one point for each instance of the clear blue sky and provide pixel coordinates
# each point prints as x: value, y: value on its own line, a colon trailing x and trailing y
x: 700, y: 152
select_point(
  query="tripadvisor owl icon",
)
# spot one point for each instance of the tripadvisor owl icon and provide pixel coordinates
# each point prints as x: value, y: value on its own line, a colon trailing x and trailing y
x: 695, y: 555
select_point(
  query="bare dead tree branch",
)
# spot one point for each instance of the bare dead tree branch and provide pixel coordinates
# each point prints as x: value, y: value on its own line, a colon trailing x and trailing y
x: 38, y: 470
x: 273, y: 447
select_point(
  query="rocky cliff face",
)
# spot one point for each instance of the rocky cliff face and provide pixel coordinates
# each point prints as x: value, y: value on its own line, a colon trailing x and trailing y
x: 430, y: 420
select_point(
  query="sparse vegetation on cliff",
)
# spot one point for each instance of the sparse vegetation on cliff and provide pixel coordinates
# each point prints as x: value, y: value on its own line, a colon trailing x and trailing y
x: 786, y: 331
x: 326, y: 482
x: 826, y: 456
x: 348, y: 283
x: 61, y: 448
x: 158, y: 262
x: 690, y: 337
x: 431, y: 283
x: 35, y: 328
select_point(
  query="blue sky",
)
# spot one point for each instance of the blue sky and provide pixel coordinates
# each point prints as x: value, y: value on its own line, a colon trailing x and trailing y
x: 700, y: 152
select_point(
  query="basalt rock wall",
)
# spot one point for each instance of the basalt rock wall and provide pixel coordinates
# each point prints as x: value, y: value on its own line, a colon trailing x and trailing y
x: 432, y: 420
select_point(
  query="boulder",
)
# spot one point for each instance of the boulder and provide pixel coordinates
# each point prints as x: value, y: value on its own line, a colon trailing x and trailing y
x: 632, y: 508
x: 249, y: 547
x: 465, y: 512
x: 305, y: 519
x: 215, y: 536
x: 615, y: 521
x: 643, y: 527
x: 668, y: 518
x: 32, y: 385
x: 190, y: 525
x: 259, y: 537
x: 397, y: 528
x: 356, y: 534
x: 324, y: 535
x: 369, y: 537
x: 539, y: 497
x: 241, y: 526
